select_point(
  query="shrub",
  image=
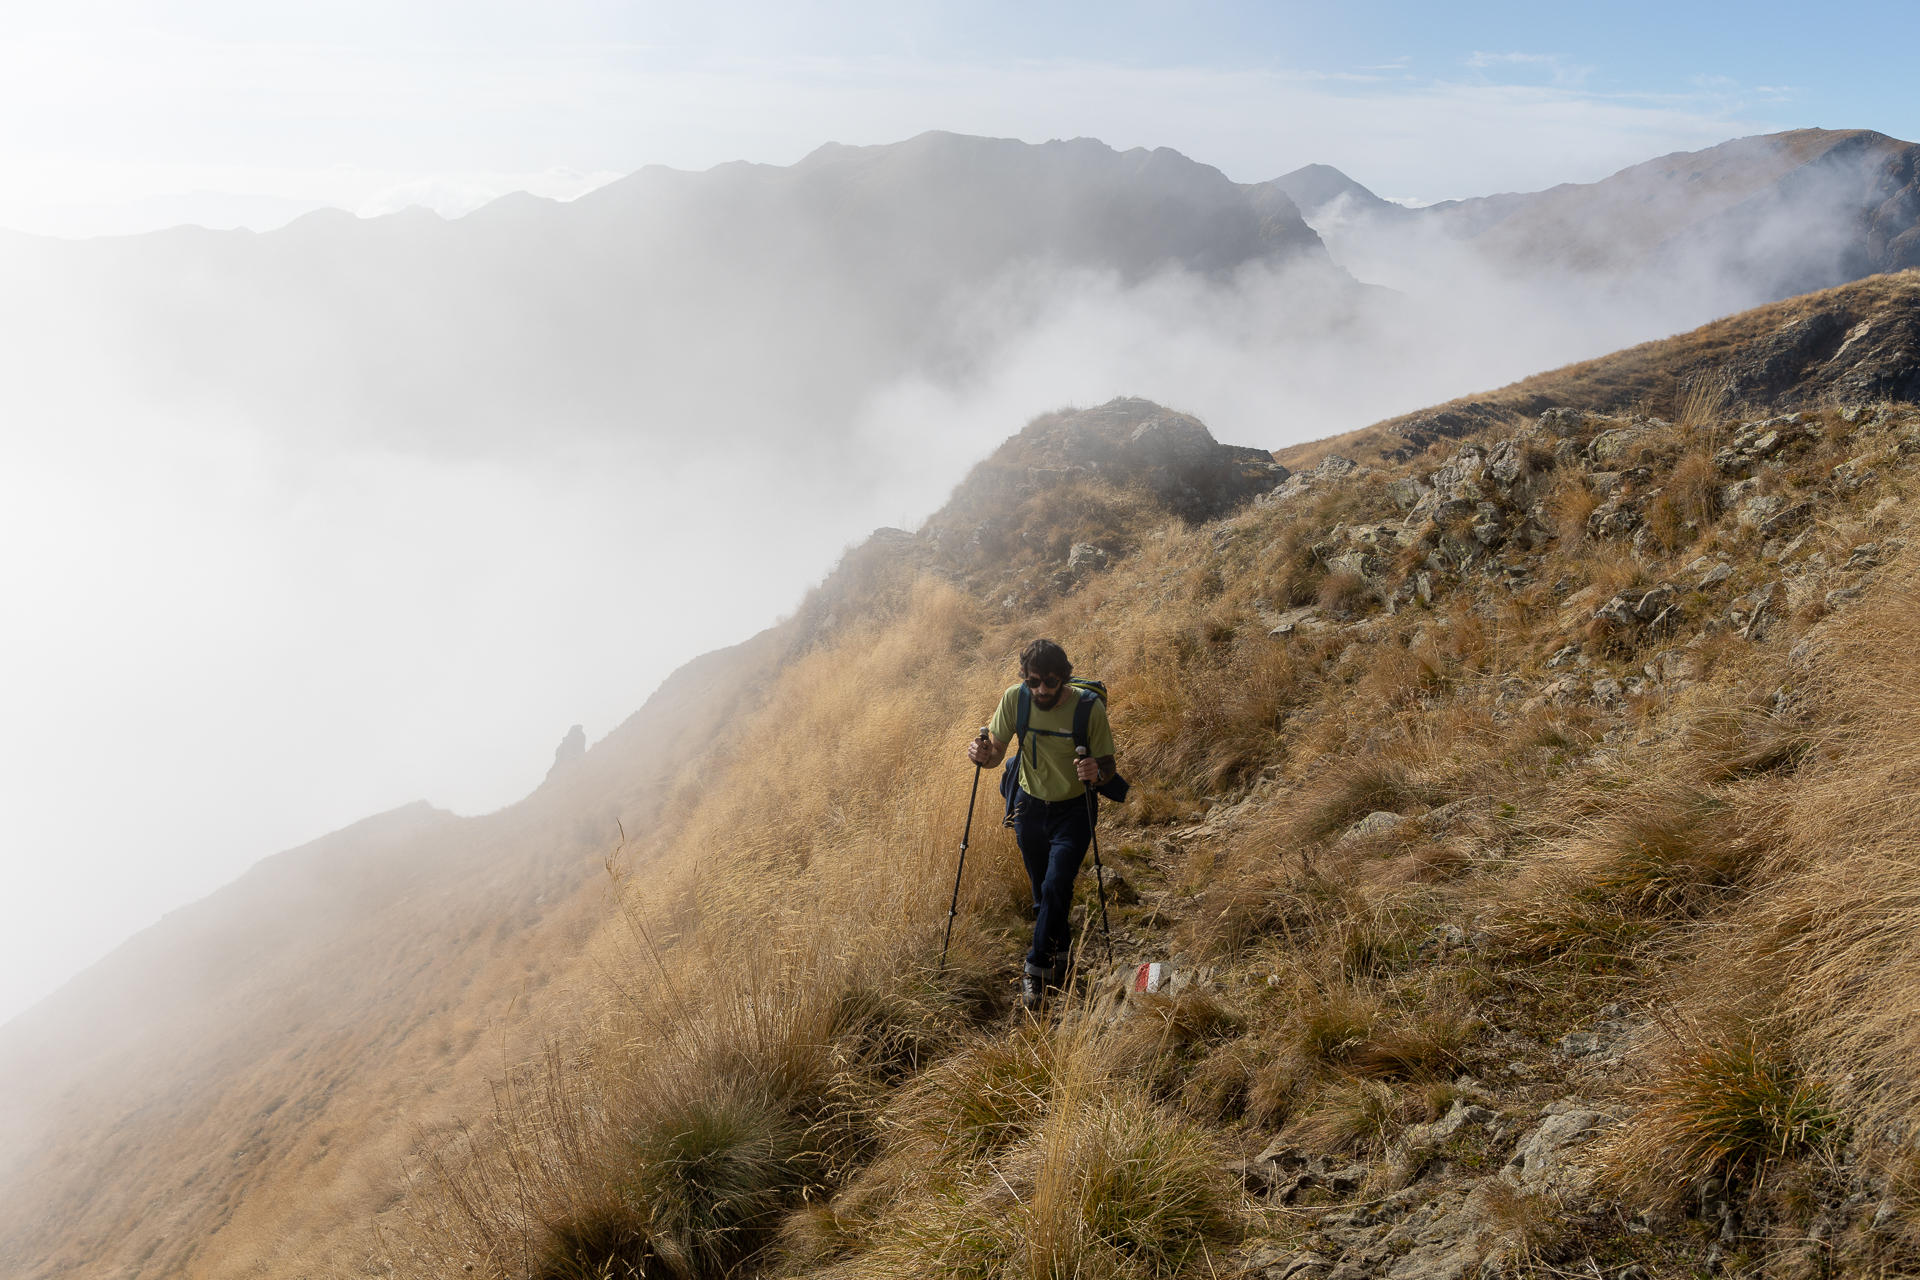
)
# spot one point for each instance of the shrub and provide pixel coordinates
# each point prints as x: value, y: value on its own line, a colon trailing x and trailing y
x: 1689, y: 501
x: 1397, y: 676
x: 1563, y: 923
x: 1739, y: 741
x: 1275, y: 1088
x: 1668, y: 853
x: 1570, y: 503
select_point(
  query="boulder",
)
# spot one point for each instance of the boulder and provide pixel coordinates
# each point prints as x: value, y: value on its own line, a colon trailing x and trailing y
x: 1614, y: 518
x: 1563, y: 424
x: 1544, y: 1158
x: 1128, y: 441
x: 1752, y: 614
x: 1407, y: 492
x: 1374, y: 824
x: 1783, y: 520
x: 1085, y: 557
x: 1620, y: 445
x: 1460, y: 1115
x: 1619, y: 611
x: 1507, y: 465
x: 1755, y: 442
x: 1489, y: 525
x: 1655, y: 602
x: 1850, y: 475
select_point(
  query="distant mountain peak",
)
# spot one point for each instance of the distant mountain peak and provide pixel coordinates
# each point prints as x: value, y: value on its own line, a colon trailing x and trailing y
x: 1317, y: 187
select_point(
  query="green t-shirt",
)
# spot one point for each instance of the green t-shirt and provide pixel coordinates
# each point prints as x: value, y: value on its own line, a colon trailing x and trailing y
x: 1048, y: 773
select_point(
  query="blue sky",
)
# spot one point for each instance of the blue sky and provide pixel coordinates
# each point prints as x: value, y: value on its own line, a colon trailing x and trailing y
x: 117, y: 115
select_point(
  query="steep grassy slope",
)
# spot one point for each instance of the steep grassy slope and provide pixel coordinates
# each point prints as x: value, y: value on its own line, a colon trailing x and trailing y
x: 1522, y: 829
x: 235, y: 1086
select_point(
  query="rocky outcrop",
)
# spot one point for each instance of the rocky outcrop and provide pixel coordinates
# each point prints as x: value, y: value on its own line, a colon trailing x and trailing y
x: 1125, y: 442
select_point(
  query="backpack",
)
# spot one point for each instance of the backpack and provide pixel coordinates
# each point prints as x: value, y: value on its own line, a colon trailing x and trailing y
x: 1090, y: 691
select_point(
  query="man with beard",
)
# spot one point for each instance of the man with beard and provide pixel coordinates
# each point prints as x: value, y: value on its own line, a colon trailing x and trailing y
x: 1052, y: 821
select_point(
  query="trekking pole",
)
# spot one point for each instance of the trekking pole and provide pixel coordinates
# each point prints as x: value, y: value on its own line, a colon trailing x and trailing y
x: 953, y: 908
x: 1099, y: 872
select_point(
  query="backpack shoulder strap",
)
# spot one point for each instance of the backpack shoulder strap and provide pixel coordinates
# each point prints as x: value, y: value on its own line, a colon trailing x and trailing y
x: 1020, y: 729
x: 1083, y: 719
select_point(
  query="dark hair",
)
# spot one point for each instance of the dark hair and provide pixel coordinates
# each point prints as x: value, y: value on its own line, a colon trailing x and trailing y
x: 1045, y: 658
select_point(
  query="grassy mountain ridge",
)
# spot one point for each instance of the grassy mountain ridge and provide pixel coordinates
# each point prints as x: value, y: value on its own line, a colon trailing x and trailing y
x: 1518, y: 826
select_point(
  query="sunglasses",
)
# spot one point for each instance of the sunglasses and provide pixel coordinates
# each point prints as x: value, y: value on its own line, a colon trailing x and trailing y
x: 1042, y: 682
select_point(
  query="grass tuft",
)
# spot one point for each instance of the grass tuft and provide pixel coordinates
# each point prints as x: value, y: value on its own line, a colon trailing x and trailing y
x: 1725, y: 1107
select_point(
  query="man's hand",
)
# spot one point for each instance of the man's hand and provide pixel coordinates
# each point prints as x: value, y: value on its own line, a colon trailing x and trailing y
x: 1091, y: 771
x: 986, y: 750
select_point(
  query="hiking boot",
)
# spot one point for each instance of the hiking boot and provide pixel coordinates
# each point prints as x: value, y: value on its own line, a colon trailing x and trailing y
x: 1033, y: 986
x: 1057, y: 976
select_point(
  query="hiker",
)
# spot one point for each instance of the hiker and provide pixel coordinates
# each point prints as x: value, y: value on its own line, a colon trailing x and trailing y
x: 1052, y: 817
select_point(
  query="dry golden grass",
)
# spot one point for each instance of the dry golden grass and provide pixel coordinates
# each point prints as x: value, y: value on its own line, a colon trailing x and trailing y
x: 1741, y: 855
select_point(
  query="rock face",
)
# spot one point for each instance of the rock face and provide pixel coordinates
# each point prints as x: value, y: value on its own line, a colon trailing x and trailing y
x: 1838, y: 351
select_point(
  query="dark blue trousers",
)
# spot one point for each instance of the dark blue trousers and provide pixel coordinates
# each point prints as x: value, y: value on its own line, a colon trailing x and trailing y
x: 1053, y: 836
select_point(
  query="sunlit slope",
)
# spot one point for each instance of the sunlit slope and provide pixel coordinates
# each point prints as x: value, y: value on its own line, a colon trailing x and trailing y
x: 1857, y: 343
x: 237, y: 1084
